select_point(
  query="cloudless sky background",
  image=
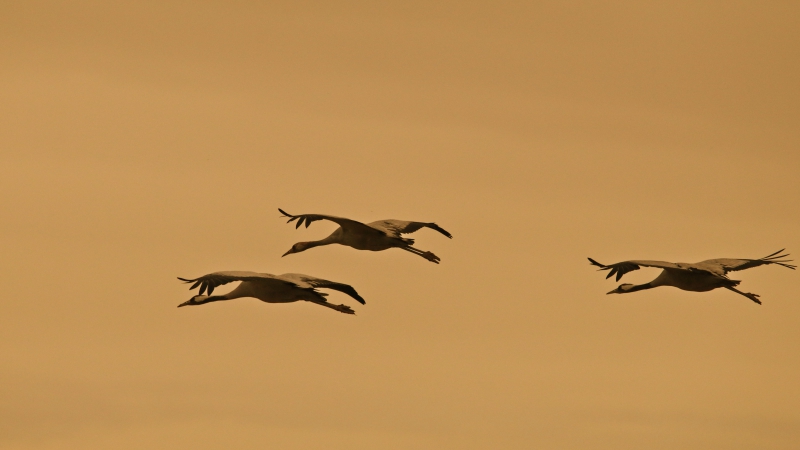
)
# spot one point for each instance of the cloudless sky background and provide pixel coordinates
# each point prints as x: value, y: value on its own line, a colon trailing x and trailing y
x: 141, y: 141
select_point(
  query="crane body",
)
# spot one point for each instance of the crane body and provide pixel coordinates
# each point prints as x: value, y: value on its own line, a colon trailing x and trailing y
x: 697, y: 277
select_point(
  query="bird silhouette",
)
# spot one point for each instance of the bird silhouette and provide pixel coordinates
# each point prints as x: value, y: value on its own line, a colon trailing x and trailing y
x: 286, y: 288
x: 375, y: 236
x: 698, y: 277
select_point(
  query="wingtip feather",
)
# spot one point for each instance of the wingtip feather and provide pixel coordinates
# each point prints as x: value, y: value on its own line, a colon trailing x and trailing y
x: 601, y: 266
x: 434, y: 226
x: 773, y: 254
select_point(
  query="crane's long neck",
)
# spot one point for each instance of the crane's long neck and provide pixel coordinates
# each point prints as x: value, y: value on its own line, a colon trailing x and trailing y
x: 641, y: 287
x: 312, y: 244
x: 332, y: 239
x: 665, y: 278
x: 244, y: 289
x: 203, y: 299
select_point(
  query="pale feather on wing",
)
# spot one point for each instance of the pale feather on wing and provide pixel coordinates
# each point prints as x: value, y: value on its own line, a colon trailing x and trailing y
x: 212, y: 280
x: 308, y: 219
x: 721, y: 266
x: 621, y: 268
x: 395, y: 228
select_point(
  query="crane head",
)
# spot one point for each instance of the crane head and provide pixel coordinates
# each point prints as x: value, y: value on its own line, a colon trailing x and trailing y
x: 196, y: 300
x: 621, y: 289
x: 297, y: 248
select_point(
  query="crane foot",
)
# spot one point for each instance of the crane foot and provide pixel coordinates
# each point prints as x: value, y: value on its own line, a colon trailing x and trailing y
x: 431, y: 257
x: 344, y: 309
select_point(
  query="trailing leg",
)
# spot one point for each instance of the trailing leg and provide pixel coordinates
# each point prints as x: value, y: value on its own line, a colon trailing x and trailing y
x: 341, y: 308
x: 427, y: 255
x: 752, y: 297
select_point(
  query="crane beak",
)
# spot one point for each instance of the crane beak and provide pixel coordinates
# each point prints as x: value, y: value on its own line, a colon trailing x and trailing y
x: 288, y: 253
x: 612, y: 292
x: 186, y: 303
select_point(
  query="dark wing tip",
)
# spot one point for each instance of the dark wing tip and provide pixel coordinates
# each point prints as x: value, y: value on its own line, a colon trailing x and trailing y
x: 440, y: 229
x: 284, y: 213
x: 595, y: 263
x: 351, y: 291
x: 773, y: 254
x: 185, y: 280
x: 775, y: 258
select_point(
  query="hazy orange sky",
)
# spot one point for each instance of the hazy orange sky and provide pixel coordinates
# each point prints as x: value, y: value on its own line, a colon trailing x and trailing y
x: 141, y: 141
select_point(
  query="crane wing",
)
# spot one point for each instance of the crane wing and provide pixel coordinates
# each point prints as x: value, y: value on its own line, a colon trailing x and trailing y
x: 212, y: 280
x: 395, y: 228
x: 722, y: 266
x: 310, y: 282
x: 309, y: 218
x: 621, y: 268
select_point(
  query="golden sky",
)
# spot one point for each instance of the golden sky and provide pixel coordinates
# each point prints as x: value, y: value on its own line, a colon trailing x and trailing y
x: 141, y: 141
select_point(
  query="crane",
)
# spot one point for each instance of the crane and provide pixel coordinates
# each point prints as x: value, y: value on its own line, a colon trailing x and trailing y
x: 698, y: 277
x: 286, y: 288
x: 374, y: 236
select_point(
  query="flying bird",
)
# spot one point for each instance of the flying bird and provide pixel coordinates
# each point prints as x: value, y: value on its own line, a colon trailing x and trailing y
x: 698, y: 277
x: 286, y: 288
x: 375, y: 236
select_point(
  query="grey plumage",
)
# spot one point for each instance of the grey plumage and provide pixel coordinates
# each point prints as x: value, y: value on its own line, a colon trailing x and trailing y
x: 699, y: 277
x: 290, y: 287
x: 374, y: 236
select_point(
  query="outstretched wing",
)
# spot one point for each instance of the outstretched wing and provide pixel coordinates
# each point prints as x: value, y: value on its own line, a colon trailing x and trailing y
x: 309, y: 218
x: 395, y: 228
x: 212, y: 280
x: 310, y: 282
x: 621, y: 268
x: 722, y: 266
